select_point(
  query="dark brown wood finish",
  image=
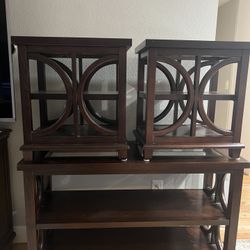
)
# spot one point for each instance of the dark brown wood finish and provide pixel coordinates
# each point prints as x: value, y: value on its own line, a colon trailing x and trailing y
x: 240, y: 95
x: 25, y: 90
x: 140, y: 88
x: 233, y: 209
x: 6, y: 225
x: 128, y: 208
x: 202, y: 53
x: 42, y: 88
x: 211, y: 105
x: 64, y: 165
x: 133, y: 208
x: 189, y: 44
x: 121, y: 108
x: 47, y: 51
x: 212, y: 162
x: 31, y: 210
x: 129, y: 239
x: 72, y: 42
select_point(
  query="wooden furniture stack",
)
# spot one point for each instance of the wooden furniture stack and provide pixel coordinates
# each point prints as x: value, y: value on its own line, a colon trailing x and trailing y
x: 187, y: 219
x: 6, y: 226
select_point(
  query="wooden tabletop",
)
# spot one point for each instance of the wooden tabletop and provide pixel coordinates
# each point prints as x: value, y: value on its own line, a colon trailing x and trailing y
x: 71, y: 41
x: 192, y: 44
x: 212, y: 162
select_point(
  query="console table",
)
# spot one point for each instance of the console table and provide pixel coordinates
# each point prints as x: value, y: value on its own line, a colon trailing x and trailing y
x: 190, y: 92
x: 132, y: 219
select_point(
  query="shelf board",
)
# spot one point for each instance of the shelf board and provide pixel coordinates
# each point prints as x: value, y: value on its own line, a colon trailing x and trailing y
x: 203, y: 136
x: 211, y: 163
x: 88, y: 95
x: 180, y: 95
x: 84, y: 135
x: 128, y: 208
x: 194, y: 45
x: 88, y: 42
x: 184, y: 131
x: 129, y: 239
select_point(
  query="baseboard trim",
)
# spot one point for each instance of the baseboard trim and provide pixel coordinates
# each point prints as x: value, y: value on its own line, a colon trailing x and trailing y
x: 20, y: 234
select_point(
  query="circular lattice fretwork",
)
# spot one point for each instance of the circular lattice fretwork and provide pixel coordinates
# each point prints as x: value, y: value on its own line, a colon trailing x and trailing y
x: 208, y: 76
x: 86, y: 109
x: 69, y: 91
x: 182, y: 71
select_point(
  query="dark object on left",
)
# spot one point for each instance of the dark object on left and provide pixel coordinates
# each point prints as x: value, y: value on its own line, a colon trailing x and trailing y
x: 6, y: 226
x: 6, y: 108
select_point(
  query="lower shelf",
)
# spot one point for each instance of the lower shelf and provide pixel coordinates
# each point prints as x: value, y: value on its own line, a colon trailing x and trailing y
x: 128, y: 208
x: 129, y: 239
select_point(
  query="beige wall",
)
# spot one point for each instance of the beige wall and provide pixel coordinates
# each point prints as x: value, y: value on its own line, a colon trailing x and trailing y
x: 140, y: 19
x: 243, y: 34
x: 227, y: 21
x: 226, y: 30
x: 233, y: 24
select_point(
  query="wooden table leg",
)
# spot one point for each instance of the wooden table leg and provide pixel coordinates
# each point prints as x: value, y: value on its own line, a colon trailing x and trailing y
x: 233, y: 209
x: 208, y: 180
x: 30, y: 206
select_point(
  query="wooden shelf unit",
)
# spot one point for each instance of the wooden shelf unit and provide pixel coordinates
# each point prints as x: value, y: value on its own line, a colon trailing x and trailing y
x: 121, y: 219
x: 128, y: 208
x: 108, y: 213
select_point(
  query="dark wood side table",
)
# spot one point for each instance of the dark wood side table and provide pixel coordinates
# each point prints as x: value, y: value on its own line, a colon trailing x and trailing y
x: 189, y: 95
x: 6, y: 226
x: 72, y: 106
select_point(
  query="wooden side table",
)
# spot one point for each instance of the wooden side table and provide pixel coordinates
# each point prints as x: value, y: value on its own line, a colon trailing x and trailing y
x: 69, y: 97
x: 191, y: 70
x: 6, y: 225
